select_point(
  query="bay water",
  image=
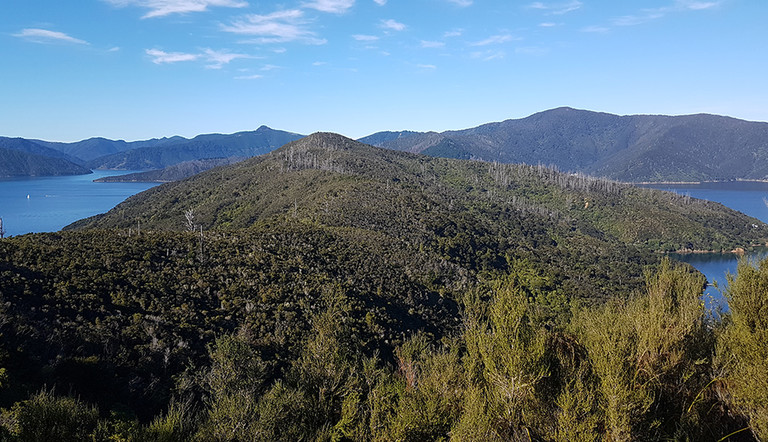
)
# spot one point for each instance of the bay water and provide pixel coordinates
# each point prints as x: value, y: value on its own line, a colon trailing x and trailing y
x: 47, y: 204
x: 748, y: 197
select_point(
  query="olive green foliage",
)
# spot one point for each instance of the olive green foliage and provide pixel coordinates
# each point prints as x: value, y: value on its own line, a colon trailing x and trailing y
x: 638, y: 368
x: 743, y: 347
x: 652, y: 356
x: 337, y: 181
x: 46, y: 416
x: 341, y: 292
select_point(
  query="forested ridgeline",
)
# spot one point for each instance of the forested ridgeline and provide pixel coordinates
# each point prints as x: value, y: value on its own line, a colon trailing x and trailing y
x: 336, y: 181
x: 333, y: 291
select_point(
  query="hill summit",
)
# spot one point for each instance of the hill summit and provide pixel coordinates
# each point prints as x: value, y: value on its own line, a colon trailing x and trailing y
x: 335, y: 180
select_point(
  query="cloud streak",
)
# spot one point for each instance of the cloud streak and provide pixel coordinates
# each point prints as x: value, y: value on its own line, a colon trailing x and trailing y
x: 46, y: 36
x: 161, y: 8
x: 362, y: 37
x: 495, y: 39
x: 557, y: 8
x: 332, y: 6
x: 215, y: 59
x: 432, y: 44
x: 218, y: 59
x: 648, y: 15
x: 162, y: 57
x: 277, y: 27
x: 392, y: 25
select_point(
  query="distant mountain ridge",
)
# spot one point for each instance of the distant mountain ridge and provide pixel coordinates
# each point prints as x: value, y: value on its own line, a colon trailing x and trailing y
x: 632, y: 148
x: 240, y: 144
x: 171, y: 173
x: 97, y: 147
x: 22, y: 157
x: 38, y: 157
x: 16, y: 163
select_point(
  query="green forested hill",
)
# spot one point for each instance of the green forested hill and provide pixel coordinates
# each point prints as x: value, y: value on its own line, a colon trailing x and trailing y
x: 171, y: 173
x: 17, y: 163
x: 22, y: 157
x: 336, y: 181
x: 158, y: 156
x: 629, y: 148
x: 330, y: 290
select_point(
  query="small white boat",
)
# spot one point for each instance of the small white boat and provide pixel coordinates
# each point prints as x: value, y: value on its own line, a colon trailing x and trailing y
x: 27, y: 196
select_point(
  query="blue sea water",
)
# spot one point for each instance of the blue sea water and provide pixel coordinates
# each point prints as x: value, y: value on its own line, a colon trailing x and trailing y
x: 46, y: 204
x: 747, y: 197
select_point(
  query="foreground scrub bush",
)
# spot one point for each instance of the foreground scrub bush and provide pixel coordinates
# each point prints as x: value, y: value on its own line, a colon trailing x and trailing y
x: 652, y: 359
x: 743, y: 346
x: 46, y: 417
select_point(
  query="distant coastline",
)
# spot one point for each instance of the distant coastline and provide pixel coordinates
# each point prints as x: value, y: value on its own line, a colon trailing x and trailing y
x: 695, y: 183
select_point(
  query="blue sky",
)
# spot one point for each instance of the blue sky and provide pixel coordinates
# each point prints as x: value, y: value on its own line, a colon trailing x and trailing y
x: 138, y: 69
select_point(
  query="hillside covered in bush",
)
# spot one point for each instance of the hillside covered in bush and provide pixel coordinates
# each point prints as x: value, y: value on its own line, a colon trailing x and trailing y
x: 330, y: 290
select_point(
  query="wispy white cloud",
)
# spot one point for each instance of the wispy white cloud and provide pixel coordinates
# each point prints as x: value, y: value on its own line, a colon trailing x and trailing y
x: 277, y: 27
x: 694, y: 5
x: 596, y: 29
x: 488, y: 55
x: 453, y: 33
x: 432, y: 44
x: 648, y: 15
x: 332, y: 6
x: 249, y: 77
x: 320, y: 63
x: 462, y: 3
x: 426, y: 66
x: 162, y: 57
x: 380, y: 2
x: 495, y: 39
x: 215, y: 59
x: 637, y: 19
x: 160, y: 8
x: 114, y: 49
x: 46, y: 36
x: 547, y: 25
x: 393, y: 25
x: 270, y: 67
x: 361, y: 37
x: 218, y: 59
x: 557, y: 8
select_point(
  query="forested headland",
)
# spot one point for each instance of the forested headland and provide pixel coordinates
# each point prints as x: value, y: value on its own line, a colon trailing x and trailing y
x: 330, y: 290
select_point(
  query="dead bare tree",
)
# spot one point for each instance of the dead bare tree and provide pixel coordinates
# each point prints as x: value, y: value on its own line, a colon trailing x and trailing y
x: 190, y: 216
x: 2, y: 230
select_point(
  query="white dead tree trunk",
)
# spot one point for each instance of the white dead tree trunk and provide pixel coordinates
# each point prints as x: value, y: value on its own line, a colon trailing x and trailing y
x: 190, y: 216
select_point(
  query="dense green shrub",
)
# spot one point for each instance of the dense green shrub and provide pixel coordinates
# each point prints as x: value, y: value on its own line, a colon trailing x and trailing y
x: 743, y: 345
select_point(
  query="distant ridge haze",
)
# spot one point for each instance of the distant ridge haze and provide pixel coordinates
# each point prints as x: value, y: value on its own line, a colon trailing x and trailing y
x: 629, y: 148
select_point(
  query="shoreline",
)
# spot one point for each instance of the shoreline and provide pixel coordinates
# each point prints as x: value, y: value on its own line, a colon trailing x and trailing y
x: 737, y: 251
x: 684, y: 183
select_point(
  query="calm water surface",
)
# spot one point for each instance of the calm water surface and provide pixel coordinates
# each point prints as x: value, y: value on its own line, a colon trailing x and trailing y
x: 746, y: 197
x: 46, y: 204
